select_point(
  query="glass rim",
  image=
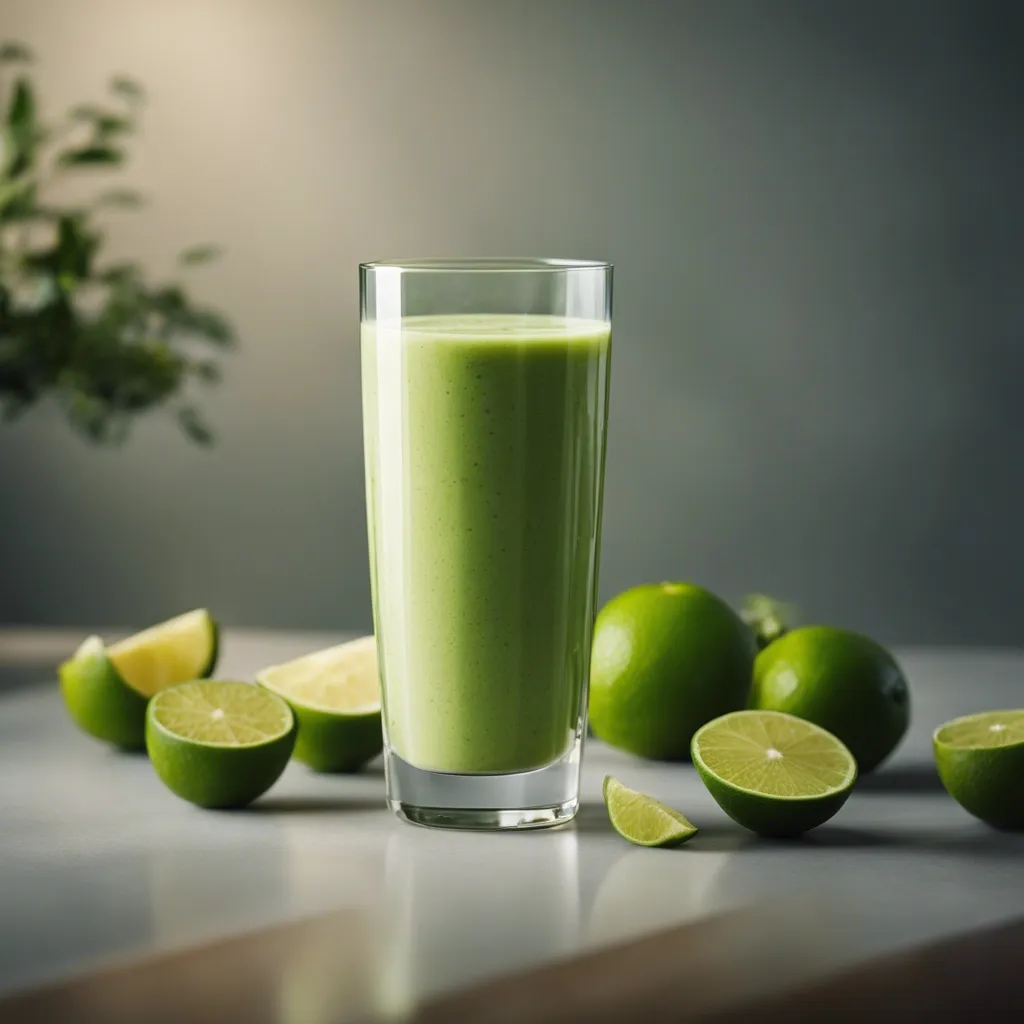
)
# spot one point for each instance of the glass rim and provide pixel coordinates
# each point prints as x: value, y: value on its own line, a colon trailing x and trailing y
x: 485, y: 264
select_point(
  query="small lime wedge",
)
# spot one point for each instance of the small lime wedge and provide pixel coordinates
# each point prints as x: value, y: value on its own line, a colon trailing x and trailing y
x: 641, y: 819
x: 219, y: 744
x: 335, y: 694
x: 980, y: 759
x: 775, y: 774
x: 106, y: 688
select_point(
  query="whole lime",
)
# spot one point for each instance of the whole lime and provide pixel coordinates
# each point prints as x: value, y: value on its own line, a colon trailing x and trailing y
x: 842, y: 681
x: 667, y: 658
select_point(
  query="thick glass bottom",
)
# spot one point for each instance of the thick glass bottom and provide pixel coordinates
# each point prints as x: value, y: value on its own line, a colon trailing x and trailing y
x: 485, y: 820
x: 522, y: 800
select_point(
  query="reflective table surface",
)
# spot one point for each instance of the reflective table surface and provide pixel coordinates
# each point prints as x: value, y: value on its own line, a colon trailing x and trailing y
x: 99, y: 864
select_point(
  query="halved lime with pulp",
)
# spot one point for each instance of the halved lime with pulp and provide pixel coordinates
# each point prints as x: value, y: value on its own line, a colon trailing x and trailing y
x: 641, y: 819
x: 335, y: 694
x: 106, y: 688
x: 219, y: 744
x: 772, y: 772
x: 980, y: 759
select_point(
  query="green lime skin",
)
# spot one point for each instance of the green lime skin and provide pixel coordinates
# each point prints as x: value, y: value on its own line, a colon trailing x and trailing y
x: 667, y: 658
x: 773, y: 818
x: 100, y: 704
x: 842, y: 681
x: 987, y: 783
x: 216, y: 777
x: 336, y: 743
x: 215, y: 644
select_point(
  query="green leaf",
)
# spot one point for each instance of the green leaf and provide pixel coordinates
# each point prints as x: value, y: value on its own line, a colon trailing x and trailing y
x: 86, y: 112
x: 91, y: 156
x: 124, y: 198
x: 12, y: 195
x: 69, y: 260
x: 21, y: 115
x: 197, y: 254
x: 103, y: 121
x: 119, y: 273
x: 207, y: 372
x: 23, y: 133
x: 195, y: 429
x: 207, y: 325
x: 12, y: 53
x: 128, y: 88
x: 169, y: 301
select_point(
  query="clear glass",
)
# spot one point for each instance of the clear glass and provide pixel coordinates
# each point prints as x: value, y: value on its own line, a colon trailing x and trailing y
x: 485, y: 398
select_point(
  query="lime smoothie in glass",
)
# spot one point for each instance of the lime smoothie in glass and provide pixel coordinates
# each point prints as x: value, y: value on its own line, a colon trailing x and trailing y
x: 484, y: 440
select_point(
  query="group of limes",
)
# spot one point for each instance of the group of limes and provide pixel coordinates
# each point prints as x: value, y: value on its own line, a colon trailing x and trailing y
x: 777, y: 723
x: 219, y: 743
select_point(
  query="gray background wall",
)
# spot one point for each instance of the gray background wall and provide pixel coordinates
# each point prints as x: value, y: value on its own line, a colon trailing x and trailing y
x: 816, y: 212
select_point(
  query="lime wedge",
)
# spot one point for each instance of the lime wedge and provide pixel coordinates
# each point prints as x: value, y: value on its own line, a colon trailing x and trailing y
x: 219, y: 744
x: 980, y: 759
x: 335, y: 694
x: 641, y: 819
x: 775, y: 774
x: 106, y: 688
x: 180, y: 649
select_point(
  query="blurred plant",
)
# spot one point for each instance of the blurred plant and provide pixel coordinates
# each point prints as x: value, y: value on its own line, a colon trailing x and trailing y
x: 97, y: 336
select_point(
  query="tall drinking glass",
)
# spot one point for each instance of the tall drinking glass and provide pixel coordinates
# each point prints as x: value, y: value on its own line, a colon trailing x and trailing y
x: 485, y: 397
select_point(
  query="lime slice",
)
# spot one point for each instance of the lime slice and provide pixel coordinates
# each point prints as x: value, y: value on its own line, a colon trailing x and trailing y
x: 335, y: 694
x: 772, y: 772
x: 219, y: 744
x: 641, y: 819
x: 980, y: 759
x: 106, y: 688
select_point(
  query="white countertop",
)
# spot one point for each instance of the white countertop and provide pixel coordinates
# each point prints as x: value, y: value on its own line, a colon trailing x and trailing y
x: 99, y: 863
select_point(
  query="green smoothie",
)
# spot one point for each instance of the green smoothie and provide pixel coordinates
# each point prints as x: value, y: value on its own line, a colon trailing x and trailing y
x: 484, y: 441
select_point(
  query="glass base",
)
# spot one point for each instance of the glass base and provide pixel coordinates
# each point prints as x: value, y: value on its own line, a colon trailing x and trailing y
x: 485, y: 820
x: 522, y: 800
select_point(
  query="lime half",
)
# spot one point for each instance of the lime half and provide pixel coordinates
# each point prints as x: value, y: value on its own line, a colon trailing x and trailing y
x: 219, y: 744
x: 106, y: 688
x: 980, y: 759
x: 335, y: 694
x: 772, y: 772
x: 641, y: 819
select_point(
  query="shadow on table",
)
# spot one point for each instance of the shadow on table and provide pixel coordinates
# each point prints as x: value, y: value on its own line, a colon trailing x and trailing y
x: 592, y: 819
x: 902, y: 778
x: 315, y: 804
x: 979, y: 842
